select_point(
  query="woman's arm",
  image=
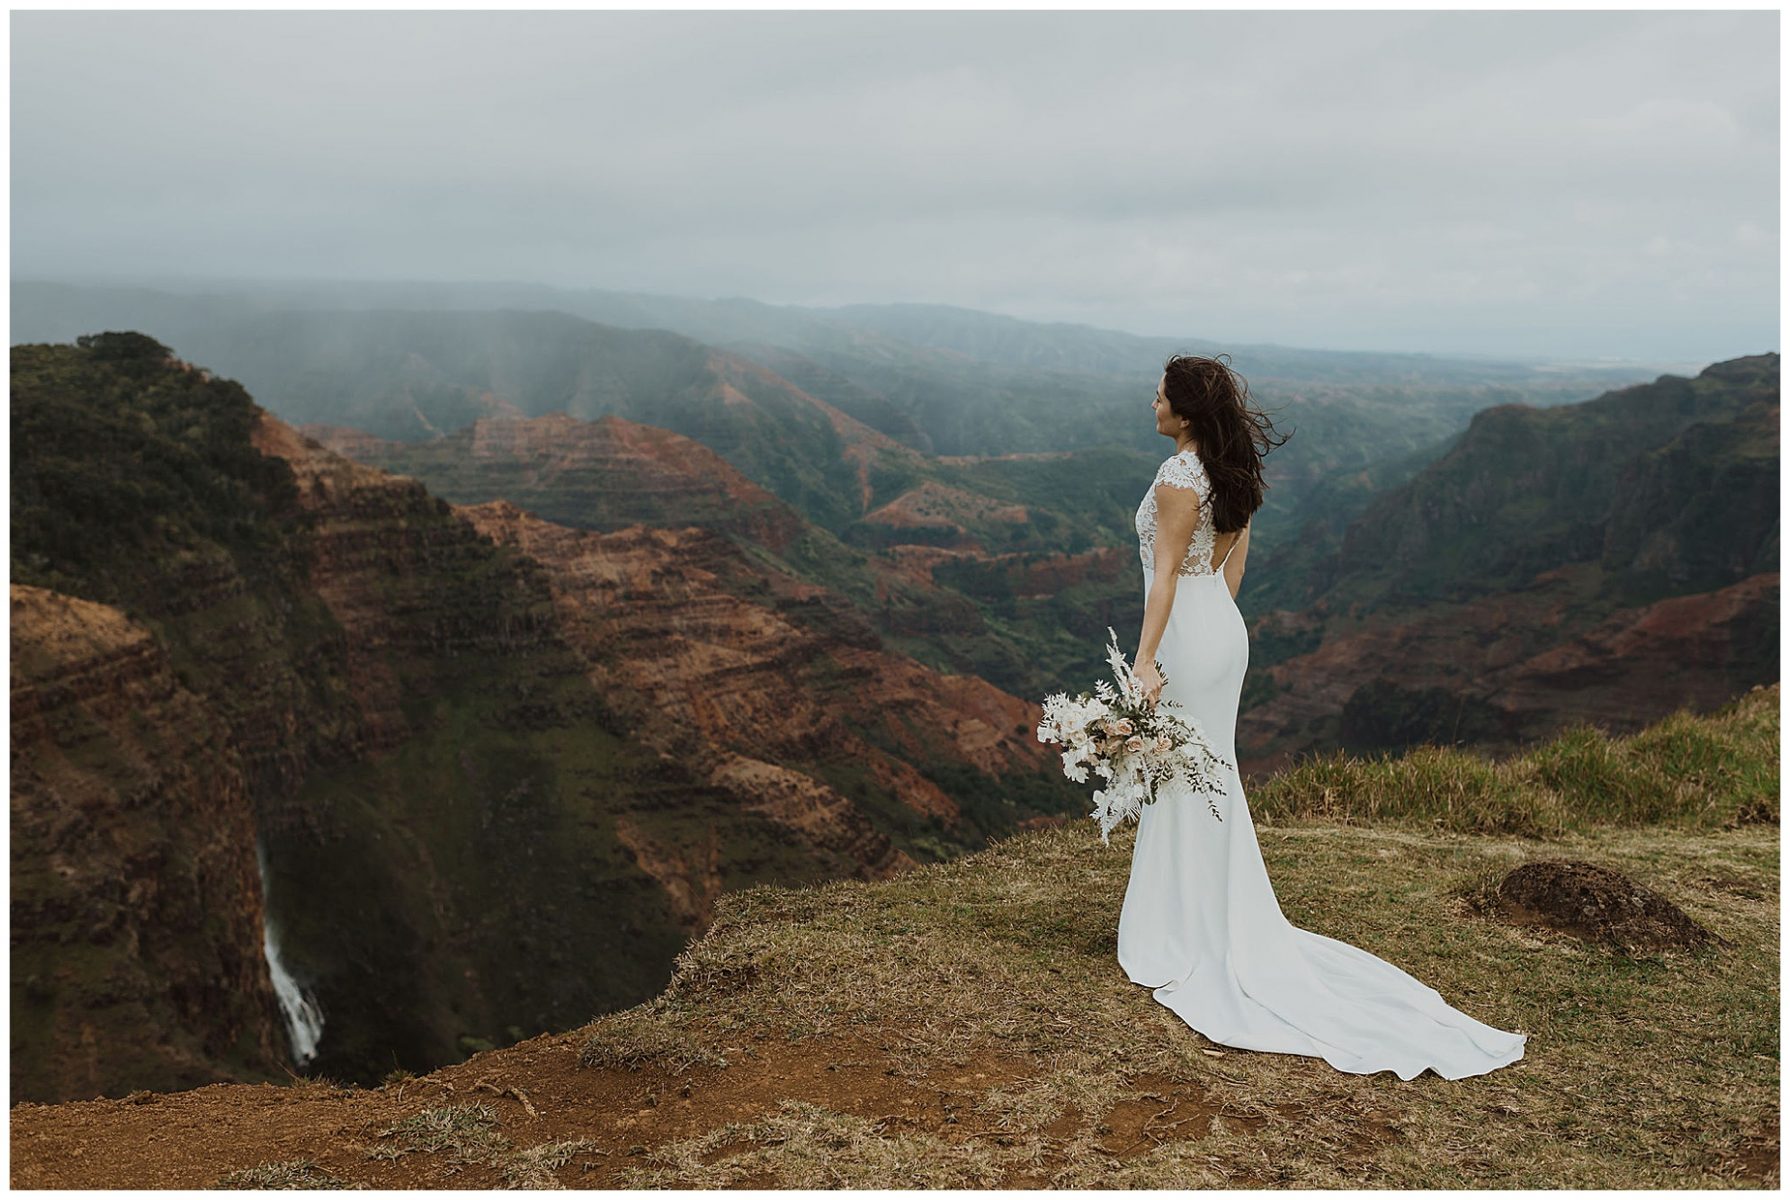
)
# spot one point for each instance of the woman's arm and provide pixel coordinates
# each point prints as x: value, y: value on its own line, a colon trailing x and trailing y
x: 1177, y: 515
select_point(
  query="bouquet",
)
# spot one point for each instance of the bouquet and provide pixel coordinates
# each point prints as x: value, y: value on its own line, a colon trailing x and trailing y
x: 1138, y: 748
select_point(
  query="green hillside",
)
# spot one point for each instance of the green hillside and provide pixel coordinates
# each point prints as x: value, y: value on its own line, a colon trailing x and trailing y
x: 1669, y: 487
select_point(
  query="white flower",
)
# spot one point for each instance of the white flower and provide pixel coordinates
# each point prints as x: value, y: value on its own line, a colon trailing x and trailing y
x: 1174, y: 758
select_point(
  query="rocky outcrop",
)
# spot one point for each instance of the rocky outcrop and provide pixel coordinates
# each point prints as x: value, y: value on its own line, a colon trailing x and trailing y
x: 439, y: 853
x: 750, y: 386
x: 137, y: 955
x: 611, y: 473
x: 605, y: 474
x: 936, y: 514
x: 730, y: 666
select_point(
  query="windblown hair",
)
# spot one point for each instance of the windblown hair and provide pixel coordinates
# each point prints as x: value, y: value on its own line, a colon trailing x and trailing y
x: 1233, y: 437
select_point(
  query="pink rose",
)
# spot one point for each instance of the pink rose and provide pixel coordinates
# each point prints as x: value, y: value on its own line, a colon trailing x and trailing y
x: 1134, y: 743
x: 1125, y: 726
x: 1164, y: 743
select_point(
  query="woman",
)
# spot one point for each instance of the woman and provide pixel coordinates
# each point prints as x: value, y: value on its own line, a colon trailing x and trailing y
x: 1200, y: 924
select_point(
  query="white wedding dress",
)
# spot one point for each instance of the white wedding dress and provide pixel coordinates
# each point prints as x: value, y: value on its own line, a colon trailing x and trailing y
x: 1200, y: 924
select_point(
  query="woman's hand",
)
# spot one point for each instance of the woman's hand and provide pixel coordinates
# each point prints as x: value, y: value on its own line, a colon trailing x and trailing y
x: 1150, y: 680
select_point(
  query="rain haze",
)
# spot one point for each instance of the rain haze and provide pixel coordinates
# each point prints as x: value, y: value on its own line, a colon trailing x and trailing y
x: 1573, y: 185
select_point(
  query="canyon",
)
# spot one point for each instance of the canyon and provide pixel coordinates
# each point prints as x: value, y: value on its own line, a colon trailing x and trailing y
x: 480, y: 754
x: 360, y: 754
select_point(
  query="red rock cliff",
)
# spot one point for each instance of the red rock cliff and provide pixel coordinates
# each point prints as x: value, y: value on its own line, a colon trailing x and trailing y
x: 137, y: 955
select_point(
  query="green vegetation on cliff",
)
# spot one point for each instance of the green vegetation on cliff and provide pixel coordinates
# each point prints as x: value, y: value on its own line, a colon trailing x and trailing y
x: 1669, y: 487
x: 123, y: 467
x: 423, y: 781
x: 447, y: 797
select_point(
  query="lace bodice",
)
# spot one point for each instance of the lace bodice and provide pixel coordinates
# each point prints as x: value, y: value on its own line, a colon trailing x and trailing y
x: 1184, y: 470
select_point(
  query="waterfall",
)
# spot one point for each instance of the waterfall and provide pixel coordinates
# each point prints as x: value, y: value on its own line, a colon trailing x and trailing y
x: 304, y: 1018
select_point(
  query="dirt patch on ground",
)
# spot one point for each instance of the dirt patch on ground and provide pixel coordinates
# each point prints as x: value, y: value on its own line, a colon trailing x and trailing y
x: 1599, y: 905
x: 607, y: 1118
x: 1756, y: 1160
x: 1161, y: 1111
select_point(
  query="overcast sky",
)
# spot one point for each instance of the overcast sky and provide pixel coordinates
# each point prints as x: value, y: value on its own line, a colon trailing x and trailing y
x: 1567, y: 184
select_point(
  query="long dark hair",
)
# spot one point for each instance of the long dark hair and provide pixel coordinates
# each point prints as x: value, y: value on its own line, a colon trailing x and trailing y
x: 1232, y: 436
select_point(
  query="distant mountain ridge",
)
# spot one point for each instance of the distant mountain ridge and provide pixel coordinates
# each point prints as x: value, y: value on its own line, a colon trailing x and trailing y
x: 1670, y: 486
x: 1613, y: 559
x: 605, y: 474
x: 939, y: 379
x: 889, y: 330
x: 840, y: 417
x: 1356, y: 435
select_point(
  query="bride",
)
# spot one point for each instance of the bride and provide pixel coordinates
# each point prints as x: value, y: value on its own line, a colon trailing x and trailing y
x: 1200, y: 924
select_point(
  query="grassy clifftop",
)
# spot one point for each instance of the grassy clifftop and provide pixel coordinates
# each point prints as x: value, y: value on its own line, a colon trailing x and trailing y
x: 966, y: 1024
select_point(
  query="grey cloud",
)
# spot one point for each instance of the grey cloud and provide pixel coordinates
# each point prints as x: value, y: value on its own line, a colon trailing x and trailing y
x: 1525, y: 182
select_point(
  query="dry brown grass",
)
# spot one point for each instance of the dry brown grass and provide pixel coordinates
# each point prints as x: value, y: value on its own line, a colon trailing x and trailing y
x: 1651, y: 1072
x: 298, y: 1174
x: 804, y: 1145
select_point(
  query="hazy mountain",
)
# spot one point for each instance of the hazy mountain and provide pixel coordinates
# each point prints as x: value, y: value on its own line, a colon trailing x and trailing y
x: 1611, y: 560
x: 1047, y: 496
x: 1669, y: 487
x: 934, y: 378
